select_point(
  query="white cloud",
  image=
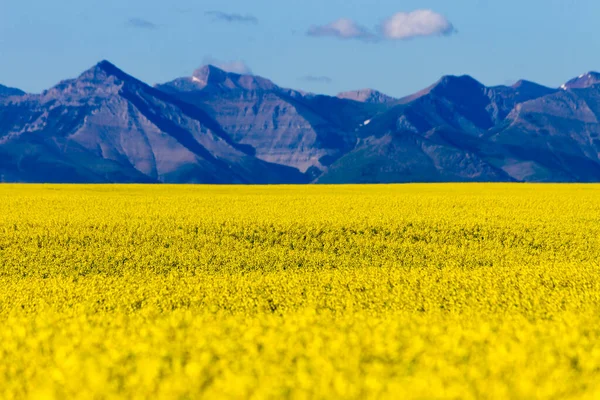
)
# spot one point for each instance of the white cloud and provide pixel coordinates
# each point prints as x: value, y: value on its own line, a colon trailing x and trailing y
x: 343, y: 28
x: 417, y: 23
x: 237, y: 67
x: 400, y: 26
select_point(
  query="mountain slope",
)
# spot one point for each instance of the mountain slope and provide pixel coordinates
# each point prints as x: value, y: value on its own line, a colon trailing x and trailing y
x: 406, y: 157
x: 440, y: 134
x: 141, y: 133
x: 556, y: 137
x: 6, y: 91
x: 286, y: 127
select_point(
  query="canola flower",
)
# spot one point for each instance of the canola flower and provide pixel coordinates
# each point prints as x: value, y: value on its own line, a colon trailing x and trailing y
x: 449, y: 291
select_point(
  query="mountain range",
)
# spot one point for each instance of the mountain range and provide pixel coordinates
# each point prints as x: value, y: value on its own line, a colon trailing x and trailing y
x: 220, y: 127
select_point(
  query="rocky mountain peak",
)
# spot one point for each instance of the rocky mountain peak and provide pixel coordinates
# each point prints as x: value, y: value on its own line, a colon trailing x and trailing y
x: 582, y: 81
x: 102, y: 71
x: 448, y: 86
x: 212, y: 77
x: 454, y: 82
x: 525, y: 90
x: 520, y: 84
x: 103, y: 79
x: 366, y: 96
x: 209, y: 75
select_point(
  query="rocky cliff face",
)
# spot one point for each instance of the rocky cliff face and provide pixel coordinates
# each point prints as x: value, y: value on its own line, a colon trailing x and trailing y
x: 284, y: 126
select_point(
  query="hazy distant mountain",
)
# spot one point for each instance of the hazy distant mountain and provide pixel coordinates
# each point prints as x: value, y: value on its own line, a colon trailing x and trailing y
x: 8, y: 91
x: 367, y: 96
x: 220, y: 127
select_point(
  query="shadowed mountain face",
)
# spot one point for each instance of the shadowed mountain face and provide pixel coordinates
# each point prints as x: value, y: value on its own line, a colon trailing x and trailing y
x: 553, y: 138
x: 8, y: 91
x: 460, y: 130
x: 220, y: 127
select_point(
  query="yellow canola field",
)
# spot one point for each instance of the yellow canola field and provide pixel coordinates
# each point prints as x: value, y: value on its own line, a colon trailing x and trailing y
x: 475, y: 291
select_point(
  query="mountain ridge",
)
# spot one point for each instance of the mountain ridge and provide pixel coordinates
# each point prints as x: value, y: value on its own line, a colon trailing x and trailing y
x: 121, y: 122
x: 6, y: 91
x: 221, y: 127
x: 367, y: 96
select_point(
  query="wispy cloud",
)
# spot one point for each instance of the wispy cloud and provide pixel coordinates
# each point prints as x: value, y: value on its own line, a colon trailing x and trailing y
x: 316, y: 79
x: 141, y: 24
x: 417, y: 23
x: 400, y: 26
x: 235, y: 66
x: 342, y: 28
x: 232, y: 17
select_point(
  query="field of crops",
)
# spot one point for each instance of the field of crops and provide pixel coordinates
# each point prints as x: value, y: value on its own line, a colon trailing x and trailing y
x: 409, y: 291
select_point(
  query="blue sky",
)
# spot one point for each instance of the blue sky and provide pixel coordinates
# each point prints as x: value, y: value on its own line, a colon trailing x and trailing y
x: 297, y: 43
